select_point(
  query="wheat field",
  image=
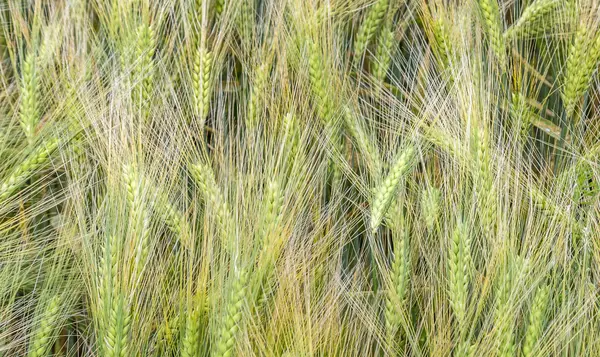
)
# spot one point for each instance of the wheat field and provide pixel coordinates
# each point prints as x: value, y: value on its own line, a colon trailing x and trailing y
x: 298, y: 178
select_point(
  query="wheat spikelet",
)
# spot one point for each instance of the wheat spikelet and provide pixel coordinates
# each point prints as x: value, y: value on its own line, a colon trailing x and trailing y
x: 444, y: 47
x: 29, y: 112
x: 319, y: 85
x: 245, y: 21
x: 536, y: 320
x: 292, y: 137
x: 273, y: 210
x: 485, y: 181
x: 503, y: 310
x: 522, y: 114
x: 191, y: 338
x: 384, y: 193
x: 369, y: 27
x: 43, y: 338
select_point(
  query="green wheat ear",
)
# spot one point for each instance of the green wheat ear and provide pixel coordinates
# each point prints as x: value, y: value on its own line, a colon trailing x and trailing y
x: 259, y: 84
x: 225, y: 344
x: 537, y: 319
x: 582, y: 60
x: 202, y: 83
x: 143, y: 74
x: 384, y: 193
x: 490, y: 13
x: 384, y: 50
x: 369, y: 27
x: 29, y: 112
x: 459, y: 271
x: 430, y: 206
x: 26, y: 168
x: 534, y: 19
x: 399, y: 278
x: 43, y: 337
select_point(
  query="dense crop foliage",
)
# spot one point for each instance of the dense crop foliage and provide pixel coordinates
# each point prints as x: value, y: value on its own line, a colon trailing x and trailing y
x: 299, y: 178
